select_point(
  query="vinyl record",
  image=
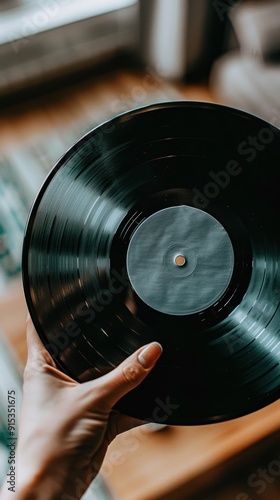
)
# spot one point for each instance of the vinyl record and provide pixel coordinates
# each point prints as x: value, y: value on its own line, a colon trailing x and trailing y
x: 163, y: 224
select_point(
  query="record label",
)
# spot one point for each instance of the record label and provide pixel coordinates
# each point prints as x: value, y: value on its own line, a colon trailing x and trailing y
x: 180, y: 260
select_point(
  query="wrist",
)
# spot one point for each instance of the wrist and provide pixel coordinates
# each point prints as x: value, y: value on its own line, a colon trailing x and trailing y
x: 41, y: 474
x: 41, y: 483
x: 34, y: 482
x: 36, y: 487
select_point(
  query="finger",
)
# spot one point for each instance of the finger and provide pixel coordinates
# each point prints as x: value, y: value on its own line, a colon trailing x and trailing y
x: 35, y: 347
x: 128, y: 375
x: 119, y: 423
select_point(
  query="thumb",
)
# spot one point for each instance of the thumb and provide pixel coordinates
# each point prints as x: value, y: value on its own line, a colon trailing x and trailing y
x: 129, y: 373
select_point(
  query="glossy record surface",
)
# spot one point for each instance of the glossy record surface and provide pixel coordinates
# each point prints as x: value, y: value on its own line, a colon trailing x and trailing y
x: 219, y: 363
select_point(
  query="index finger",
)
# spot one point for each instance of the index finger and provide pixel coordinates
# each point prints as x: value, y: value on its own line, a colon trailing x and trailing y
x: 35, y: 347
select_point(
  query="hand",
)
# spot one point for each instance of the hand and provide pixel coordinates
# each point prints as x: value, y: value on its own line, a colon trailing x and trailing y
x: 66, y: 427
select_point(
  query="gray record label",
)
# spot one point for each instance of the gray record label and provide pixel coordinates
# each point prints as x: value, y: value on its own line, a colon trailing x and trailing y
x: 180, y: 260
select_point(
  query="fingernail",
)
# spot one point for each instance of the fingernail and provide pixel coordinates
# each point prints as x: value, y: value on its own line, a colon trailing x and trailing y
x: 150, y: 354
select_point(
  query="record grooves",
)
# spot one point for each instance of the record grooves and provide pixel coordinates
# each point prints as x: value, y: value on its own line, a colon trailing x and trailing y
x: 163, y: 225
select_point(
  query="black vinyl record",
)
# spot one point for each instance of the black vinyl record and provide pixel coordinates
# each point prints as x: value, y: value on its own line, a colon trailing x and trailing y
x: 163, y: 224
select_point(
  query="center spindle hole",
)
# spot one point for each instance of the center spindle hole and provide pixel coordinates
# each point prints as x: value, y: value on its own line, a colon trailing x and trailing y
x: 180, y: 260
